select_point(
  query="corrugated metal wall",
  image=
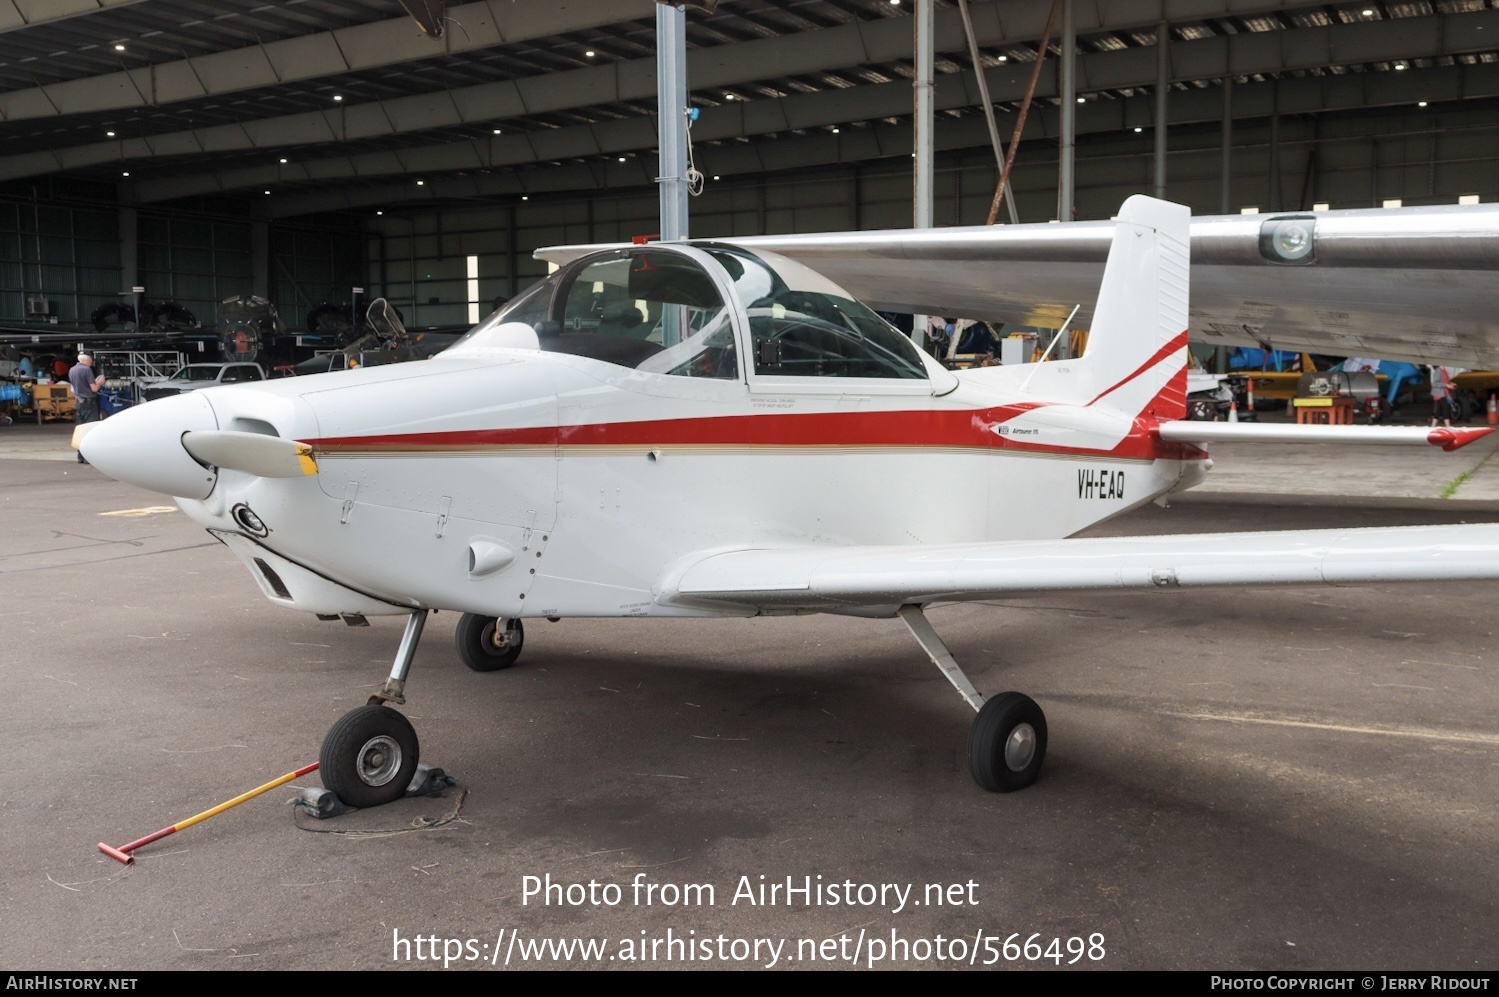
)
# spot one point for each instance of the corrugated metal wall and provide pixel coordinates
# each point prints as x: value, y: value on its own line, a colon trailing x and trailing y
x: 196, y: 262
x: 312, y: 265
x: 1348, y: 161
x: 61, y: 241
x: 68, y: 255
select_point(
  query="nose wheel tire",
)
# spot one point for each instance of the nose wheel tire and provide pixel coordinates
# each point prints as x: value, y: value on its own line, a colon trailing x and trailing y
x: 1007, y: 743
x: 487, y: 644
x: 369, y: 756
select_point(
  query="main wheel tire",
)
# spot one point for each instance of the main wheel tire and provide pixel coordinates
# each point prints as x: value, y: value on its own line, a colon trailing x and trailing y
x: 476, y: 640
x: 1007, y: 743
x: 369, y: 757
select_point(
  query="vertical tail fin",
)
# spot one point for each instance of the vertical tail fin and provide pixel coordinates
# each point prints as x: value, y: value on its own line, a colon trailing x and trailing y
x: 1136, y: 360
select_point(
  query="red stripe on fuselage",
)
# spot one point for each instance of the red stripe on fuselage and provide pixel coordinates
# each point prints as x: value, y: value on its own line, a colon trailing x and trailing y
x: 971, y: 428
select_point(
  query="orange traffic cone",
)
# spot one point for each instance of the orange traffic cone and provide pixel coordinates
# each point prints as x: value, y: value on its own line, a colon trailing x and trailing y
x: 1233, y: 408
x: 1493, y: 410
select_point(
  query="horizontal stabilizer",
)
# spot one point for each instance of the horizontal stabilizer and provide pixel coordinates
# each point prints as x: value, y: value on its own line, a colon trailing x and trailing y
x: 1186, y: 431
x: 840, y: 578
x: 253, y: 453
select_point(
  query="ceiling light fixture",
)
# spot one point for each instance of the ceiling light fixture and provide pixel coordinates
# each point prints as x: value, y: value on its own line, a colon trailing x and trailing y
x: 1420, y: 103
x: 119, y: 48
x: 267, y: 192
x: 525, y: 197
x: 110, y: 134
x: 379, y: 212
x: 338, y: 96
x: 1399, y: 65
x: 1004, y: 58
x: 283, y: 161
x: 1082, y: 100
x: 590, y: 53
x: 421, y: 183
x: 125, y: 174
x: 497, y: 131
x: 1139, y: 129
x: 1368, y: 11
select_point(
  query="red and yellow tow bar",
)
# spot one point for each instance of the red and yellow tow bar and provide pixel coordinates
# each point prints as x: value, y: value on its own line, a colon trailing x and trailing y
x: 122, y: 854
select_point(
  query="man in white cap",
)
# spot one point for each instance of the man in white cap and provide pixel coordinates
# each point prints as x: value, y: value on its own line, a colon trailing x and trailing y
x: 86, y: 389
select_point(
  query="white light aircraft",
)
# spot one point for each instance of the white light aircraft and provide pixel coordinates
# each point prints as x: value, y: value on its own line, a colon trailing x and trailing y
x: 707, y: 430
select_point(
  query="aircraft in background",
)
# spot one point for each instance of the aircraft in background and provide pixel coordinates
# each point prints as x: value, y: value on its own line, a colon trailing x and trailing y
x: 713, y: 429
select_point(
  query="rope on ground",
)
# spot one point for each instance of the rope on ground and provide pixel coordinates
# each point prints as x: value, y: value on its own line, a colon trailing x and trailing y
x: 418, y: 824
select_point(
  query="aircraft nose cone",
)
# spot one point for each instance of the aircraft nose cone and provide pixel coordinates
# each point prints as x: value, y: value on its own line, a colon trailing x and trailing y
x: 142, y: 446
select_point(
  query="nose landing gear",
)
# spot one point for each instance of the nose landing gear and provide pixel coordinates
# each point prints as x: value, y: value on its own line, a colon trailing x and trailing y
x: 370, y: 755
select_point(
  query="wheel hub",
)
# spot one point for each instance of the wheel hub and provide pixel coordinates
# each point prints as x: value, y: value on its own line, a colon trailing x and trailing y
x: 1020, y: 747
x: 499, y: 637
x: 379, y: 761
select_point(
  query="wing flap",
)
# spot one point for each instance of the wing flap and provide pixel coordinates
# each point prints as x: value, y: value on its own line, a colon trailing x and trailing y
x: 836, y: 578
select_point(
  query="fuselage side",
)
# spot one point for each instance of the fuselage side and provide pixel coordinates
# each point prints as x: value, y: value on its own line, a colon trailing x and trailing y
x: 599, y: 478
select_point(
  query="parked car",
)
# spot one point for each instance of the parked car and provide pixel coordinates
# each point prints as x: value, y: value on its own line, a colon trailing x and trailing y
x: 201, y: 375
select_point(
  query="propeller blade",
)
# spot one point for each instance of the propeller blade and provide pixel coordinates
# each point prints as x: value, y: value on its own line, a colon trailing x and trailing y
x: 253, y: 453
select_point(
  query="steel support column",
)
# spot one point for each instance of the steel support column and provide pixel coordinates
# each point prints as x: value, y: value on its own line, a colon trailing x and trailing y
x: 925, y: 57
x: 922, y: 162
x: 1226, y: 153
x: 1067, y: 69
x: 260, y: 258
x: 1162, y: 87
x: 129, y: 267
x: 671, y: 119
x: 1274, y: 202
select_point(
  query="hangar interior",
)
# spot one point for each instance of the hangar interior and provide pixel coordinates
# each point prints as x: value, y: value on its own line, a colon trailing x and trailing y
x: 293, y: 150
x: 1238, y: 779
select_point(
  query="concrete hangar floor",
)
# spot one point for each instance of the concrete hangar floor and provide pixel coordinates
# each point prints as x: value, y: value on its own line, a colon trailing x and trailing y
x: 1262, y: 778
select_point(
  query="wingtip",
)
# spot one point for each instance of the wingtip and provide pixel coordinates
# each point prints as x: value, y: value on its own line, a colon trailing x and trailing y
x: 1452, y: 439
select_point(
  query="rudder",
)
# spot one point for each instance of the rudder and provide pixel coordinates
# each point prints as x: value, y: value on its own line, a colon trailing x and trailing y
x: 1136, y: 360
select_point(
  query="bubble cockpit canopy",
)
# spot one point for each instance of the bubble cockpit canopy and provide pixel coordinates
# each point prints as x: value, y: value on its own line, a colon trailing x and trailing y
x: 672, y: 310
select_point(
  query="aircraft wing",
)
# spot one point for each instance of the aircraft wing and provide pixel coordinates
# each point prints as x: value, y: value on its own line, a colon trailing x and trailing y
x: 834, y: 579
x: 1416, y: 284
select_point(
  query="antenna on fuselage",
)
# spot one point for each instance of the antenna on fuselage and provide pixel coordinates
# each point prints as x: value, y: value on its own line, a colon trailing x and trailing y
x: 1049, y: 346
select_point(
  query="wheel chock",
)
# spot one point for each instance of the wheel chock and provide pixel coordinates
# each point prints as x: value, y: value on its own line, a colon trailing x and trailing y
x: 429, y: 780
x: 314, y: 801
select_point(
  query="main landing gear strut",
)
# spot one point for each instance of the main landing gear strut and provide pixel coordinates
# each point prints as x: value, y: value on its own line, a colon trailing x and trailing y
x: 1007, y: 742
x: 370, y: 755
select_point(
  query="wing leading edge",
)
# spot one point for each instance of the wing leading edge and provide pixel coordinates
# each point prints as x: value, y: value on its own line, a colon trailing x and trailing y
x: 851, y: 579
